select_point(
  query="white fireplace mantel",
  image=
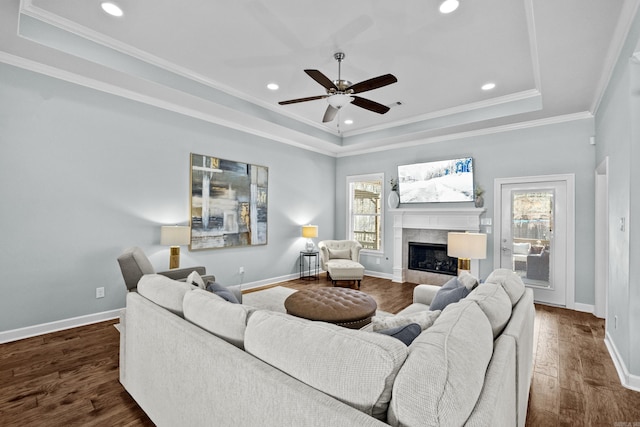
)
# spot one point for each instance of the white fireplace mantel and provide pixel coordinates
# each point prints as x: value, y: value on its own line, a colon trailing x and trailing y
x: 450, y: 219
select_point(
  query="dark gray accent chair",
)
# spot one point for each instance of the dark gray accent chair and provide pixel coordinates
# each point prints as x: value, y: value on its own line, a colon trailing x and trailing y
x: 134, y: 264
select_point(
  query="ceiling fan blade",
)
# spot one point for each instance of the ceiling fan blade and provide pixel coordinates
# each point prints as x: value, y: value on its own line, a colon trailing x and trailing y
x: 310, y: 98
x: 367, y: 104
x: 322, y: 79
x: 330, y: 114
x: 373, y: 83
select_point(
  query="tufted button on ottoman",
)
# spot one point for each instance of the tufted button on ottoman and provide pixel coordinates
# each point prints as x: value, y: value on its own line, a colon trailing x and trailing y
x: 341, y: 306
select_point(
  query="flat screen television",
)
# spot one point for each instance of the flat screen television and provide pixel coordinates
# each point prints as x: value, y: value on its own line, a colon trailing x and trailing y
x: 441, y: 181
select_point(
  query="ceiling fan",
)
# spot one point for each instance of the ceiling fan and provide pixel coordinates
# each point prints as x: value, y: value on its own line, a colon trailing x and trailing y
x: 341, y: 92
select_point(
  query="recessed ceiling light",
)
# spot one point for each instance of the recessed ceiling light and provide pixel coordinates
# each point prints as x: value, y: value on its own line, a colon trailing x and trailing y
x: 449, y: 6
x: 273, y: 86
x: 111, y: 8
x: 348, y: 122
x: 488, y: 86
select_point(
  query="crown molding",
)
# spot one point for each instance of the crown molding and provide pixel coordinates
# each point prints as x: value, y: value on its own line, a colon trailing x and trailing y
x: 627, y: 16
x: 417, y: 141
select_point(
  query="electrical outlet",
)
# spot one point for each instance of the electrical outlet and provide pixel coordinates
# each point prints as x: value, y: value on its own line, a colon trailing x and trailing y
x: 99, y: 292
x: 377, y: 260
x: 241, y: 270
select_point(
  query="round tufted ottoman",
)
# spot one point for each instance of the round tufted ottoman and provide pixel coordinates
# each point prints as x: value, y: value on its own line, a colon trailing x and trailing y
x: 341, y: 306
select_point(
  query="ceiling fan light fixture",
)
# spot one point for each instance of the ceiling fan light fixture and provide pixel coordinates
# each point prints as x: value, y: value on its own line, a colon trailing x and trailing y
x: 449, y: 6
x: 339, y: 100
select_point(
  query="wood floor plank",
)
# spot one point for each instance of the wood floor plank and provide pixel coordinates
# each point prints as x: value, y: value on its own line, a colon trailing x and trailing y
x: 70, y: 378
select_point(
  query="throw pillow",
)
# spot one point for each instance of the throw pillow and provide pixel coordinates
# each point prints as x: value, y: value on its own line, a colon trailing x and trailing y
x: 339, y: 253
x: 195, y: 279
x: 424, y: 319
x: 222, y: 292
x: 450, y: 292
x: 469, y: 281
x: 406, y: 333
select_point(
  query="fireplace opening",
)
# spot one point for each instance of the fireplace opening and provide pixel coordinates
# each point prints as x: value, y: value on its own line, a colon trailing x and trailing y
x: 431, y: 257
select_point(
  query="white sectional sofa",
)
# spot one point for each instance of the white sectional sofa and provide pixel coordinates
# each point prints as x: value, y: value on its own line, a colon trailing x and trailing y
x: 189, y: 358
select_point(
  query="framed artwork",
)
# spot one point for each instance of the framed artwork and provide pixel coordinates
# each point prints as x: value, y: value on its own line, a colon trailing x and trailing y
x: 228, y: 203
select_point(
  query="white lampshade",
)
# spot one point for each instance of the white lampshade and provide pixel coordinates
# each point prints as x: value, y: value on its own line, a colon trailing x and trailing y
x: 339, y: 100
x: 309, y: 231
x: 175, y: 235
x: 467, y: 245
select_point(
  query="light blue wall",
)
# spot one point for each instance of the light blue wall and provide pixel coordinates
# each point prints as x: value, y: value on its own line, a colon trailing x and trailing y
x: 618, y: 138
x: 85, y: 174
x: 552, y: 149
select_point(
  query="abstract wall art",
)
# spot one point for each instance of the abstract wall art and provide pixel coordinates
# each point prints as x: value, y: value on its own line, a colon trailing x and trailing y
x: 228, y: 203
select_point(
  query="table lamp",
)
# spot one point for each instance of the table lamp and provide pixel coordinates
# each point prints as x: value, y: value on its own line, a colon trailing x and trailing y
x: 309, y: 232
x: 465, y: 247
x: 174, y: 236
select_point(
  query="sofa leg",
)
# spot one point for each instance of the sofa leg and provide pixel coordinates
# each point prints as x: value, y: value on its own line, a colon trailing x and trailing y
x: 358, y: 284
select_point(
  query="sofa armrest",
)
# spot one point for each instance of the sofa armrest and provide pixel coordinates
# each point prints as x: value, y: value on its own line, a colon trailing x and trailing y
x: 424, y: 294
x: 182, y: 273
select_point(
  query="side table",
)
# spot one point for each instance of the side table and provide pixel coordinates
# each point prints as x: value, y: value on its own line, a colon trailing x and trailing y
x: 309, y: 269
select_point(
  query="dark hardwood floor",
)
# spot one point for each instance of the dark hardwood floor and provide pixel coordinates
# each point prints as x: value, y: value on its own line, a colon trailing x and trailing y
x: 70, y: 378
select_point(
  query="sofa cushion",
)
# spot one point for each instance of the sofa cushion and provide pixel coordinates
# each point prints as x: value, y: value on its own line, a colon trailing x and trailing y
x: 212, y: 313
x: 510, y: 282
x: 222, y: 292
x: 353, y: 366
x: 443, y: 375
x: 165, y: 292
x: 450, y: 292
x: 423, y: 318
x: 521, y: 248
x: 406, y: 334
x: 495, y: 304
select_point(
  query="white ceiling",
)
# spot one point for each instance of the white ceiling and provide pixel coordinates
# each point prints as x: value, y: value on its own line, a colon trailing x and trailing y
x: 213, y: 59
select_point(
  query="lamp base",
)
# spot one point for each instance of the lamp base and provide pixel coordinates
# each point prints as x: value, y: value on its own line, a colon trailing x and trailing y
x: 309, y: 245
x: 174, y: 257
x: 464, y: 264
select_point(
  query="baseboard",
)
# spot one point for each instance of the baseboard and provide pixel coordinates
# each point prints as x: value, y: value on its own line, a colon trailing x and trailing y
x: 587, y: 308
x: 627, y: 379
x: 59, y: 325
x: 267, y: 282
x: 378, y: 274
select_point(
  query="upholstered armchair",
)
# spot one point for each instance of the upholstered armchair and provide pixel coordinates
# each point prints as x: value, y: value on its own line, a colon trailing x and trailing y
x: 341, y: 260
x: 134, y: 264
x: 538, y: 265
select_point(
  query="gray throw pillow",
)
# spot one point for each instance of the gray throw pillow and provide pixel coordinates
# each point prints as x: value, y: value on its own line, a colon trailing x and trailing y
x: 222, y: 292
x: 450, y: 292
x: 406, y: 333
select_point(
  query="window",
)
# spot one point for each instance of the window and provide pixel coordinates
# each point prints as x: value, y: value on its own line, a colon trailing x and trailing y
x: 364, y: 210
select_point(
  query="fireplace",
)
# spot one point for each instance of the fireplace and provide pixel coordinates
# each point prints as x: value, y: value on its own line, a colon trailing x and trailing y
x: 429, y: 225
x: 431, y: 257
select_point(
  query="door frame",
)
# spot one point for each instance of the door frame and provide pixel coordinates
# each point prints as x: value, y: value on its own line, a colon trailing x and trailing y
x: 601, y: 264
x: 569, y: 180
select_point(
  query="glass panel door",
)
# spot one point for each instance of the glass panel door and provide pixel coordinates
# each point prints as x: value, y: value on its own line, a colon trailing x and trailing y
x: 532, y: 235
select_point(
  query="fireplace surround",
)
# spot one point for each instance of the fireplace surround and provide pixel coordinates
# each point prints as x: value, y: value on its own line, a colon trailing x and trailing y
x: 429, y: 225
